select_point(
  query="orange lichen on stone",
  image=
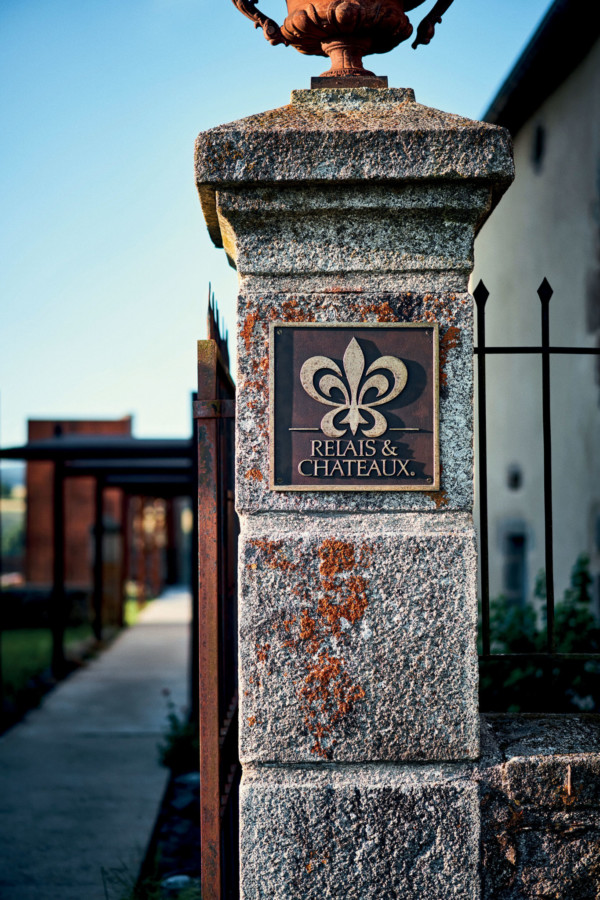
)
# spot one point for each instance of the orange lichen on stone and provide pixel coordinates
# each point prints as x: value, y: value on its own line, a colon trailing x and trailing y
x: 440, y: 498
x: 352, y: 603
x: 382, y: 310
x: 247, y: 329
x: 449, y: 341
x: 262, y: 652
x: 252, y: 721
x: 339, y: 592
x: 336, y: 557
x: 291, y: 311
x: 326, y: 694
x: 438, y: 309
x: 287, y: 623
x: 254, y: 385
x: 260, y: 367
x: 338, y: 598
x: 273, y: 556
x: 309, y: 632
x: 256, y: 474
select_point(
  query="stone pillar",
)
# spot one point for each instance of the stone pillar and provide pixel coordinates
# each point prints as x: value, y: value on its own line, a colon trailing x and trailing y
x: 358, y: 609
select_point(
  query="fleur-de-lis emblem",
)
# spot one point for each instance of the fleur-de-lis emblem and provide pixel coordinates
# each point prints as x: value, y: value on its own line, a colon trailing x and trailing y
x: 349, y: 385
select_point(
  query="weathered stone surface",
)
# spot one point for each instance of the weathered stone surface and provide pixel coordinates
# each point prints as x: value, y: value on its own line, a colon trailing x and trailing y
x: 453, y: 312
x: 276, y: 234
x: 363, y: 134
x: 357, y: 638
x: 408, y: 831
x: 365, y: 833
x: 533, y: 735
x: 541, y: 808
x: 351, y: 184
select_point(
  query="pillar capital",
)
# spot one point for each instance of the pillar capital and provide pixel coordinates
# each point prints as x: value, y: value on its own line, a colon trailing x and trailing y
x: 412, y: 185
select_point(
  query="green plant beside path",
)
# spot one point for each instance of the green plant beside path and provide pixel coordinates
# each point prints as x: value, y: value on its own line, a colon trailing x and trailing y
x: 151, y: 887
x: 179, y: 749
x: 27, y: 653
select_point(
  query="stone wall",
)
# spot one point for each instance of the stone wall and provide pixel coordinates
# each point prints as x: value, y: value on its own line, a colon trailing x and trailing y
x: 539, y: 781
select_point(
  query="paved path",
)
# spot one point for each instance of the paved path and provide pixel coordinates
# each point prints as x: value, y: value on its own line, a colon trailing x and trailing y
x: 80, y: 783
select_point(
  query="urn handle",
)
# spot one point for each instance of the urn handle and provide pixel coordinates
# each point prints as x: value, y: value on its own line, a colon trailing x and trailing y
x: 271, y: 29
x: 426, y: 28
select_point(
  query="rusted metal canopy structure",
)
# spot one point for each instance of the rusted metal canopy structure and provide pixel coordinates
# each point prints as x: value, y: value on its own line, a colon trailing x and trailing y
x: 79, y: 447
x: 158, y: 468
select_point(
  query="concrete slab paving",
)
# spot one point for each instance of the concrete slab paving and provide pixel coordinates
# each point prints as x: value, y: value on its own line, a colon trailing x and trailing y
x: 80, y: 782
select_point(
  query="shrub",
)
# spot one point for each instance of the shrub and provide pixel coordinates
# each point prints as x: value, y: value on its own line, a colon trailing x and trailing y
x: 179, y: 749
x: 536, y: 685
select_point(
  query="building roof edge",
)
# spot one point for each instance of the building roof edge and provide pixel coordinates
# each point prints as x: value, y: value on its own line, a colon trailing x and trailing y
x: 563, y: 38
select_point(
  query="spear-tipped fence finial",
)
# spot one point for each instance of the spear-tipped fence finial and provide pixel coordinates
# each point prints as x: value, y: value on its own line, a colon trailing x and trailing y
x: 545, y: 291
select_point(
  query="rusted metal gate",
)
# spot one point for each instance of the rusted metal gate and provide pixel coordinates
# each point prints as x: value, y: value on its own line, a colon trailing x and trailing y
x: 214, y: 411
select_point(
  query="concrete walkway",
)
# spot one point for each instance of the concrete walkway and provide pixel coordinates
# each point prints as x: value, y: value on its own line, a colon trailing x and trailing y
x: 80, y: 783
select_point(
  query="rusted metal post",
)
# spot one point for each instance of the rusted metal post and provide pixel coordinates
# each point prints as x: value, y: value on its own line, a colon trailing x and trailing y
x: 138, y: 543
x: 217, y: 530
x: 195, y: 629
x: 145, y: 554
x: 126, y: 553
x: 208, y: 624
x: 155, y: 553
x: 171, y: 542
x: 98, y: 557
x: 57, y: 603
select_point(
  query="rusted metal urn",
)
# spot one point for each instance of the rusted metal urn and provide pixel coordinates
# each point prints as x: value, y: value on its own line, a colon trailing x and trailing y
x: 345, y: 30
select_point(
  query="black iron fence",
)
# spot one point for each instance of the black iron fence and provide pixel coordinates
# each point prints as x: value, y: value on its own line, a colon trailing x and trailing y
x: 544, y: 654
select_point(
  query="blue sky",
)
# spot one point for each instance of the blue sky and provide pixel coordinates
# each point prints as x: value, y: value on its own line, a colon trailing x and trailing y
x: 105, y: 257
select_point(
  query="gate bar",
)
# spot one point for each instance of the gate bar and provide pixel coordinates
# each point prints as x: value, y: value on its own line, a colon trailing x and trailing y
x: 206, y: 430
x: 545, y: 293
x: 480, y: 295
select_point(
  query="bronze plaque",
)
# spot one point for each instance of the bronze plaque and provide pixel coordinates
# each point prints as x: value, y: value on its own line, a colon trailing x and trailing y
x: 354, y: 407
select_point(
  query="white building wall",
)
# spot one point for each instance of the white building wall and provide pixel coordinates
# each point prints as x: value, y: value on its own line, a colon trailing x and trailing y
x: 548, y: 224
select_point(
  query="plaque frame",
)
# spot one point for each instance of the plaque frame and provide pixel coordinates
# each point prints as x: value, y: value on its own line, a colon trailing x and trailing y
x: 425, y: 488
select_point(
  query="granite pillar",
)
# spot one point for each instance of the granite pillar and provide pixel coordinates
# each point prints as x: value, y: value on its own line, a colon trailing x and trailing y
x: 358, y: 609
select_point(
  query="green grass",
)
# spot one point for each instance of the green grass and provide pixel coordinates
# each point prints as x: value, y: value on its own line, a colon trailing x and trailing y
x: 27, y: 652
x: 131, y: 612
x: 133, y: 608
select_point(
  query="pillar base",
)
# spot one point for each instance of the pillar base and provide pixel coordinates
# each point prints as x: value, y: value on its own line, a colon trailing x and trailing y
x: 361, y: 833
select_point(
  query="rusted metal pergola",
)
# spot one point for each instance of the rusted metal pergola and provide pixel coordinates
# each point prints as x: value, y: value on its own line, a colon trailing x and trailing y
x: 140, y: 467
